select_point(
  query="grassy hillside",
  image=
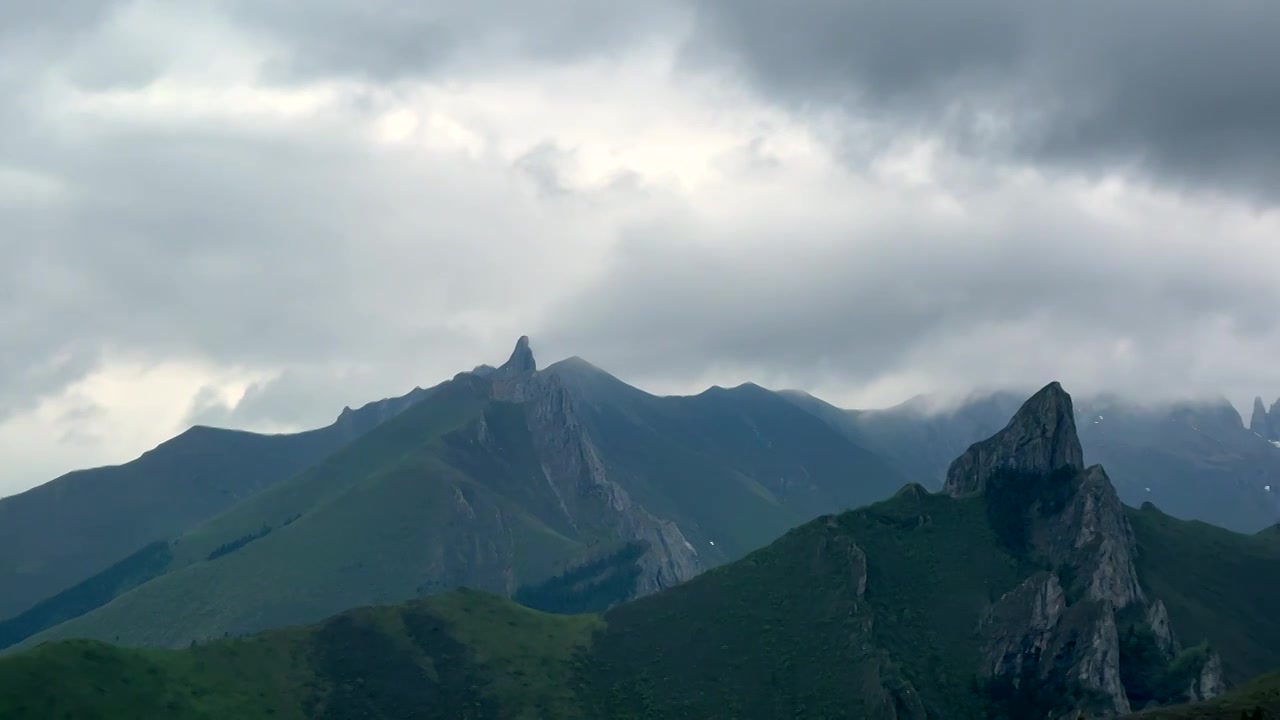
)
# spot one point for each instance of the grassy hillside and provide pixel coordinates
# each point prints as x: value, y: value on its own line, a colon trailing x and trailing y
x: 873, y: 613
x: 784, y: 632
x: 251, y: 520
x: 455, y: 491
x: 465, y: 655
x: 1218, y: 585
x: 65, y: 531
x: 336, y: 537
x: 736, y: 467
x: 1257, y: 700
x: 60, y: 533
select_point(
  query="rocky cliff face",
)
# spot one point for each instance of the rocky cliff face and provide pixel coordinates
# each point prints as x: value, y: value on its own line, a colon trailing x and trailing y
x: 1092, y: 536
x: 1266, y: 424
x: 1062, y: 625
x: 577, y: 474
x: 1041, y: 438
x: 1208, y: 684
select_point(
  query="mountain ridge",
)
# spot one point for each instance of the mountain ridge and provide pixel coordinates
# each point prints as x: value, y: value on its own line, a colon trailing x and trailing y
x: 66, y: 530
x: 1195, y: 459
x: 518, y: 474
x: 1038, y: 596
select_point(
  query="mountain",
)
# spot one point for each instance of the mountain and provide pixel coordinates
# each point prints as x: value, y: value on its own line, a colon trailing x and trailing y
x: 916, y: 438
x: 1195, y: 460
x: 65, y: 531
x: 1265, y: 423
x: 564, y: 487
x: 1023, y: 590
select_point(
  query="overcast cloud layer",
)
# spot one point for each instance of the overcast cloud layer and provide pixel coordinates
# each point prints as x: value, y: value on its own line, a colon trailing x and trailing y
x: 254, y: 213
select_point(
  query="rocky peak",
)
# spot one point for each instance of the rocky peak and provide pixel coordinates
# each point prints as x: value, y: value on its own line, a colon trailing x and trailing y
x: 1041, y: 438
x: 578, y: 473
x: 1068, y: 517
x: 516, y: 380
x: 521, y: 360
x: 1264, y: 423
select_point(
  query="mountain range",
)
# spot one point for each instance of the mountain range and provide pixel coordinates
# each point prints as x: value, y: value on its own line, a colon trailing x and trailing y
x: 509, y: 479
x: 522, y: 482
x: 1020, y: 588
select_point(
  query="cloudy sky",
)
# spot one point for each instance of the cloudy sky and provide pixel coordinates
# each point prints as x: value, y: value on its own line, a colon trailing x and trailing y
x: 253, y: 212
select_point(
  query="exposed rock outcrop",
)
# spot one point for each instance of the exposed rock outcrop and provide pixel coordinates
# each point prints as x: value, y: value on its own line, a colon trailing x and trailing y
x: 1090, y: 643
x: 1041, y: 438
x: 1265, y: 424
x: 1209, y: 683
x: 521, y: 360
x: 1092, y: 536
x: 1020, y: 624
x: 578, y: 477
x: 1034, y: 636
x: 1158, y: 621
x: 1061, y: 625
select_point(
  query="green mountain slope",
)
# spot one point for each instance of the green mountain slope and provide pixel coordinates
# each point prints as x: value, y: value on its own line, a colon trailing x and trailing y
x: 60, y: 533
x: 1025, y: 590
x: 789, y: 629
x: 503, y: 480
x: 862, y: 615
x: 464, y: 655
x: 1218, y: 585
x: 1258, y: 700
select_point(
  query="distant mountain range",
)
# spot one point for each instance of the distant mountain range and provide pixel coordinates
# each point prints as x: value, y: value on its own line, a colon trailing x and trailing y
x: 1194, y: 460
x: 513, y: 480
x: 57, y: 534
x: 523, y: 482
x: 1023, y: 588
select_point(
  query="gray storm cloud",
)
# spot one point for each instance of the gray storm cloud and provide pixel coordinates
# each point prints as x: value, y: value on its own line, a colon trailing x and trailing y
x: 1184, y: 91
x: 1099, y: 207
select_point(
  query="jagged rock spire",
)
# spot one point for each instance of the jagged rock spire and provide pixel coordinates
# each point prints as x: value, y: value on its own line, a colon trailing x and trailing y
x: 521, y: 360
x: 1081, y: 530
x: 1264, y: 423
x: 1041, y: 438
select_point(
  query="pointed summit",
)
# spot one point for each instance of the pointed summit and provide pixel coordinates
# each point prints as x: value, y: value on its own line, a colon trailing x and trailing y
x: 1264, y: 423
x: 521, y: 360
x: 1259, y: 422
x: 1041, y: 438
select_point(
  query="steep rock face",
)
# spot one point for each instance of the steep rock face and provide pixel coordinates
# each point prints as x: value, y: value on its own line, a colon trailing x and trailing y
x: 1041, y: 438
x: 592, y: 503
x: 1209, y: 683
x: 1265, y: 424
x: 1158, y: 620
x: 1093, y: 537
x: 1077, y: 519
x: 1088, y: 638
x: 1020, y: 624
x: 1034, y: 636
x: 1059, y: 625
x: 521, y: 360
